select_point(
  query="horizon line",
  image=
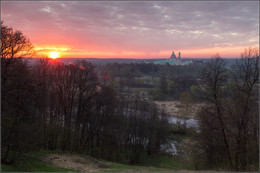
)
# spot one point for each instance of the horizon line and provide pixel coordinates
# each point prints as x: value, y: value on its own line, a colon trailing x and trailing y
x: 129, y: 58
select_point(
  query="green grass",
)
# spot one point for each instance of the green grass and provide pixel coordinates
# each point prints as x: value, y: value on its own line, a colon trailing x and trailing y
x: 179, y: 137
x: 116, y: 167
x: 153, y: 163
x: 30, y: 162
x: 167, y: 162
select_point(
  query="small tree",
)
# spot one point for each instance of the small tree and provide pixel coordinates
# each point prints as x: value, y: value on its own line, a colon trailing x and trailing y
x: 163, y: 85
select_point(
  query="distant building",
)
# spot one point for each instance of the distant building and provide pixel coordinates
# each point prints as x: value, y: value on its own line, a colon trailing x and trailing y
x: 173, y: 57
x: 173, y: 60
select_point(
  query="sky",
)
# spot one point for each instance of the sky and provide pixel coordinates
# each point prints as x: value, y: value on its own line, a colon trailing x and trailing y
x: 132, y: 29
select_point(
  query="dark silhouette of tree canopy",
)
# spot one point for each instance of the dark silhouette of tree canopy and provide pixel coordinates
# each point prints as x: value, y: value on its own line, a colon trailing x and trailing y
x: 229, y: 119
x: 244, y: 108
x: 213, y: 78
x: 14, y: 44
x: 51, y: 105
x: 16, y: 84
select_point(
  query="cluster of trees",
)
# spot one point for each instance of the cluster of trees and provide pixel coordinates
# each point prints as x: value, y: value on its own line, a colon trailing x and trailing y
x: 160, y: 88
x: 139, y: 69
x: 175, y: 87
x: 50, y: 105
x: 229, y: 135
x: 166, y: 82
x: 120, y: 83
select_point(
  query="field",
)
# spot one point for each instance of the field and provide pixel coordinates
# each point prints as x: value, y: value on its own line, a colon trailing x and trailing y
x: 173, y: 108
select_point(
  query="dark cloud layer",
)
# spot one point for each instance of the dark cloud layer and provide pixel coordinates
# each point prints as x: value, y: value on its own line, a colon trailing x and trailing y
x: 137, y: 26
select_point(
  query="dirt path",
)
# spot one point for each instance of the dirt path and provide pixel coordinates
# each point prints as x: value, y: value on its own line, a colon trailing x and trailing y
x: 88, y: 164
x: 76, y: 162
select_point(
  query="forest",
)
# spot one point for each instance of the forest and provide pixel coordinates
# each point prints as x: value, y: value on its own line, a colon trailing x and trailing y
x: 95, y: 111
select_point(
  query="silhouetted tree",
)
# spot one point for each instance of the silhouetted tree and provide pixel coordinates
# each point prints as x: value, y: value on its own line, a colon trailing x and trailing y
x: 14, y: 45
x: 213, y: 79
x: 231, y: 112
x: 243, y: 109
x: 17, y: 88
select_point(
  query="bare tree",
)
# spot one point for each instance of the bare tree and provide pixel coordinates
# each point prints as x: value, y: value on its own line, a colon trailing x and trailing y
x: 16, y: 88
x: 14, y: 45
x: 214, y: 77
x: 245, y: 107
x: 229, y: 119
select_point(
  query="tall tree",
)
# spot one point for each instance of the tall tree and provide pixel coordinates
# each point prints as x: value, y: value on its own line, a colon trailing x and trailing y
x: 231, y: 112
x: 214, y: 78
x: 245, y: 107
x: 16, y: 87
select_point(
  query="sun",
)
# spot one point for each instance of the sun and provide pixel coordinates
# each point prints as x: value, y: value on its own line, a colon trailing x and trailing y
x: 54, y: 55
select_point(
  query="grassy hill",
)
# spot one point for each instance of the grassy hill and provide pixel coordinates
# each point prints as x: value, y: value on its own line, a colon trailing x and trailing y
x: 57, y: 161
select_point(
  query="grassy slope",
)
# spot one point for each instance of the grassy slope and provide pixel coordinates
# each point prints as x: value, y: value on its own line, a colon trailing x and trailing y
x: 154, y: 163
x: 31, y: 163
x: 168, y: 162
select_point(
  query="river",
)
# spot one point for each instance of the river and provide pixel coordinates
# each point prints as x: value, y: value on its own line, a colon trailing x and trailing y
x: 189, y: 122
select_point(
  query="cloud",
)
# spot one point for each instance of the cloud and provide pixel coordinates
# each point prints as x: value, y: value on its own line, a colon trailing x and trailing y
x: 136, y: 26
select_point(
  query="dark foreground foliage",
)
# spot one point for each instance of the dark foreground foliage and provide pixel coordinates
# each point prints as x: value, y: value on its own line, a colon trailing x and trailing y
x: 229, y: 121
x: 55, y: 106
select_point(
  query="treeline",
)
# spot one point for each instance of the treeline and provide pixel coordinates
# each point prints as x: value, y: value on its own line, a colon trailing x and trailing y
x: 229, y: 119
x: 165, y: 82
x: 139, y: 69
x: 56, y: 106
x: 173, y: 88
